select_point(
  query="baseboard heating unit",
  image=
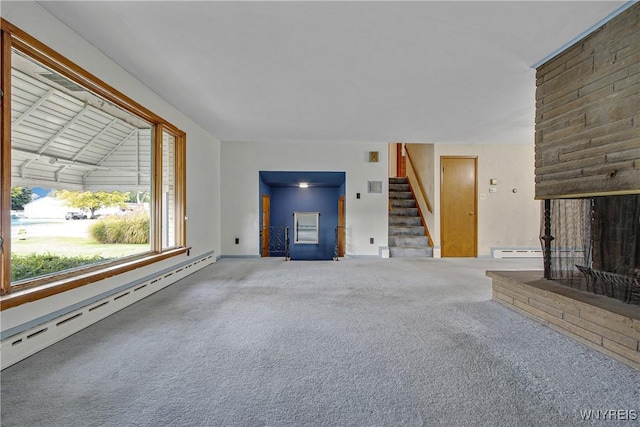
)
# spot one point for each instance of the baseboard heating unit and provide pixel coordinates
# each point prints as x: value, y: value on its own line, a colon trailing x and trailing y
x: 22, y: 341
x: 516, y: 253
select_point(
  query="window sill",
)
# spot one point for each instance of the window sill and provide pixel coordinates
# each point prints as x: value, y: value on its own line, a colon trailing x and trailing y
x: 44, y: 288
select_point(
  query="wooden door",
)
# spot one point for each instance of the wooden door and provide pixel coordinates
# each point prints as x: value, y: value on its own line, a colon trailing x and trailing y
x: 401, y: 168
x: 341, y: 226
x: 458, y: 213
x: 266, y: 223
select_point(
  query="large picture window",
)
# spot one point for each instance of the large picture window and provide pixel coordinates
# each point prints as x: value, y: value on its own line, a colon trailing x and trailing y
x: 93, y: 180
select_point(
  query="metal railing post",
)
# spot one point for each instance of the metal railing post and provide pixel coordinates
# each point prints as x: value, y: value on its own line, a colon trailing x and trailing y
x: 287, y: 256
x: 547, y: 239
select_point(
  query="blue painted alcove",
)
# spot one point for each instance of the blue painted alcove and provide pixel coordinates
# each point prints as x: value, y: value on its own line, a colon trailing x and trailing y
x: 325, y: 188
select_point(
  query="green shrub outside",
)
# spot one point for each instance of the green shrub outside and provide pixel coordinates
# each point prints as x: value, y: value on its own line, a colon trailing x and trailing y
x: 130, y: 229
x: 34, y: 265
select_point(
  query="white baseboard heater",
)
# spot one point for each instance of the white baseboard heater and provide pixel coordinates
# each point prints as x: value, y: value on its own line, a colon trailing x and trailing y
x: 516, y: 253
x: 23, y: 341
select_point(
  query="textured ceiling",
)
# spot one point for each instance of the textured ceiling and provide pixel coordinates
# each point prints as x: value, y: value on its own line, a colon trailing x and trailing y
x: 440, y: 72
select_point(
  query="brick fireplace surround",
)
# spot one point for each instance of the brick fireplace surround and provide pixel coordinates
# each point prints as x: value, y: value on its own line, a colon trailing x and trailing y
x: 605, y: 324
x: 587, y: 144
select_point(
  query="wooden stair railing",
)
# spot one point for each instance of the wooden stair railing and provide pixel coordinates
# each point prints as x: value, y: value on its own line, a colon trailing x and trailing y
x: 419, y: 178
x: 422, y: 193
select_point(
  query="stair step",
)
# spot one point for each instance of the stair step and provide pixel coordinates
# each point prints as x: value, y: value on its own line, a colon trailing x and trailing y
x: 400, y: 195
x: 402, y: 203
x: 412, y: 241
x: 406, y: 231
x: 398, y: 180
x: 405, y: 220
x: 399, y: 187
x: 404, y: 212
x: 409, y: 252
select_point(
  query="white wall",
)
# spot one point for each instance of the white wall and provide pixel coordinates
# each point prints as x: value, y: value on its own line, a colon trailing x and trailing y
x: 242, y: 161
x: 203, y: 157
x: 505, y: 219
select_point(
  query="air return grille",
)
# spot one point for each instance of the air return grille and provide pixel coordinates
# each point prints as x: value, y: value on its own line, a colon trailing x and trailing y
x: 374, y: 186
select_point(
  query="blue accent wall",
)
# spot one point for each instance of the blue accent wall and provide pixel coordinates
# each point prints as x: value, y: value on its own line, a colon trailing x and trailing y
x: 287, y: 200
x: 264, y: 189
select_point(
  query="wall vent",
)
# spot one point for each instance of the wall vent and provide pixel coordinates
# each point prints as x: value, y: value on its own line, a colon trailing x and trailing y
x: 374, y: 186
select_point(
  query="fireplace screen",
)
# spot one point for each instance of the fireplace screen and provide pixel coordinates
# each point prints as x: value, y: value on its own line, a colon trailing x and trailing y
x: 593, y: 244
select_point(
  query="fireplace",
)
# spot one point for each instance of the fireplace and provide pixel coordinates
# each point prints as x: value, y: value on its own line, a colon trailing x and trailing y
x: 593, y: 244
x: 587, y: 164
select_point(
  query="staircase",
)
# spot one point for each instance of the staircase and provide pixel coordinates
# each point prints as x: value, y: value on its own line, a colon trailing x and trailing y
x: 406, y: 233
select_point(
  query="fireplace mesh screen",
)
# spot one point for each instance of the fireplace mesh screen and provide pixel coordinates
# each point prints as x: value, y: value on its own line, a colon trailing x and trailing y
x: 596, y: 245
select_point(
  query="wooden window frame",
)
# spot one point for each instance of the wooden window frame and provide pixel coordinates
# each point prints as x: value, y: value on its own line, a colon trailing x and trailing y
x: 12, y: 37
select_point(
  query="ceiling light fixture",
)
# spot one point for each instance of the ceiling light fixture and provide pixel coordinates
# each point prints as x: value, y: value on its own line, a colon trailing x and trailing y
x: 303, y: 185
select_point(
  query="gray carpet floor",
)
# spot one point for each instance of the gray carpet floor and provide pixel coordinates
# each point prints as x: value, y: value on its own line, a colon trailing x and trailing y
x: 262, y: 342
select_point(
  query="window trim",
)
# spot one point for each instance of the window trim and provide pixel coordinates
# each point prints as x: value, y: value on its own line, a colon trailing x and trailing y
x: 5, y: 161
x: 58, y: 283
x: 12, y: 37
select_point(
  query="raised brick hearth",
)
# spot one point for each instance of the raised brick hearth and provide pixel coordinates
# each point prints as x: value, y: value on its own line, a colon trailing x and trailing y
x: 607, y: 325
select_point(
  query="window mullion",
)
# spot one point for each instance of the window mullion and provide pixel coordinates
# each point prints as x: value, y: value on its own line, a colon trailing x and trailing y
x: 181, y: 179
x: 156, y: 221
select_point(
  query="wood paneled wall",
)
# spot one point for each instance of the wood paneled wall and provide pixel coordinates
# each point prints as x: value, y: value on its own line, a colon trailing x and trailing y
x: 588, y: 114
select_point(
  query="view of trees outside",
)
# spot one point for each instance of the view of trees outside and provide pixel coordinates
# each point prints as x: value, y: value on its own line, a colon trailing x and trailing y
x: 90, y: 201
x: 59, y: 237
x: 20, y: 196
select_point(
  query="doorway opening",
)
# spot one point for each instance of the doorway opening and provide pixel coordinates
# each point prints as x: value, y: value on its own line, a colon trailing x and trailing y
x: 283, y: 194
